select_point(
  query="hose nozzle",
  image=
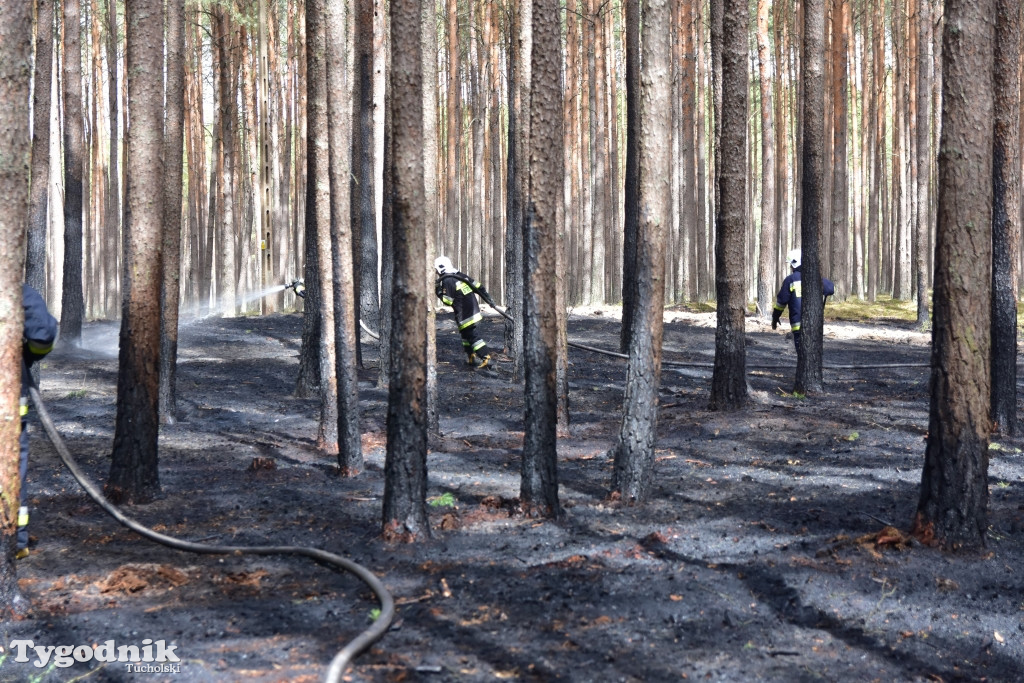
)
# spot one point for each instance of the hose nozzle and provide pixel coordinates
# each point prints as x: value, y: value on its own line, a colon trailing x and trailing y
x: 298, y: 286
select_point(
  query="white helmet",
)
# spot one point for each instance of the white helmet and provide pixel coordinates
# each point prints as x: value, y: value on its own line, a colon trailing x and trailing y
x: 443, y: 264
x: 794, y: 258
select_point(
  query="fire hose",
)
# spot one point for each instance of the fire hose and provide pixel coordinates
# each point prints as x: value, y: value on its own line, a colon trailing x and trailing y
x: 342, y: 659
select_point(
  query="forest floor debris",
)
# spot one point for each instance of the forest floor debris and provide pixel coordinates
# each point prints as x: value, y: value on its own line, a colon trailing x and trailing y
x: 774, y: 547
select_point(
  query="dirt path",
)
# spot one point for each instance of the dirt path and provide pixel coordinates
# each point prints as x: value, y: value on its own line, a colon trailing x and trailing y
x: 758, y: 558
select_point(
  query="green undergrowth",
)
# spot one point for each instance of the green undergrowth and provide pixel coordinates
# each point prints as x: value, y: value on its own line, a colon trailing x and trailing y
x: 882, y: 309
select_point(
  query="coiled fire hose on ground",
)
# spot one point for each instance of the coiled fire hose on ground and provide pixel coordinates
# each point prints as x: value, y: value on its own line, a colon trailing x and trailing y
x: 341, y: 660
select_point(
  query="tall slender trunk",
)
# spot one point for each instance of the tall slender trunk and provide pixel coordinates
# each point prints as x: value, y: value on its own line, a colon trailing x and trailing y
x: 538, y: 491
x: 72, y: 299
x: 35, y: 257
x: 840, y: 182
x: 729, y: 379
x: 453, y: 123
x: 405, y: 466
x: 15, y: 71
x: 766, y: 268
x: 922, y: 225
x: 173, y: 149
x: 634, y: 451
x: 133, y: 467
x: 1006, y: 206
x: 953, y: 506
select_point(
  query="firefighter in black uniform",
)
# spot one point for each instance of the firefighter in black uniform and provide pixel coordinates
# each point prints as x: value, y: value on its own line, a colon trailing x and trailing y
x: 458, y: 290
x: 790, y: 295
x: 40, y: 333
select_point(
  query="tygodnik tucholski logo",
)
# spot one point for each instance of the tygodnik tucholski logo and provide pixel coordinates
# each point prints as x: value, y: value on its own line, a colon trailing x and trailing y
x: 150, y: 657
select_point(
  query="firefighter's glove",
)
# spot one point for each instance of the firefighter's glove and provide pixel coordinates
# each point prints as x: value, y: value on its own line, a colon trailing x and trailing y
x: 775, y: 319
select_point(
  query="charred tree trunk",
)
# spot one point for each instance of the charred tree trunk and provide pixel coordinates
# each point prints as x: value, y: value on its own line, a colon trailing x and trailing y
x: 538, y: 492
x: 922, y: 226
x: 318, y: 215
x: 340, y: 129
x: 766, y: 267
x: 631, y: 191
x: 133, y: 469
x: 840, y: 272
x: 634, y: 451
x: 808, y: 362
x: 953, y: 507
x: 405, y: 466
x: 35, y: 257
x: 15, y: 70
x: 1006, y: 205
x: 73, y: 298
x: 517, y: 178
x: 174, y: 149
x: 364, y: 212
x: 729, y: 380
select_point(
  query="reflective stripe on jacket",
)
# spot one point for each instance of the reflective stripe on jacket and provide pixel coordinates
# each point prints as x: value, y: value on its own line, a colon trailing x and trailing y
x: 453, y: 291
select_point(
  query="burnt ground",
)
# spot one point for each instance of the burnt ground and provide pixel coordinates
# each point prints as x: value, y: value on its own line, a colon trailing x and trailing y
x: 761, y: 556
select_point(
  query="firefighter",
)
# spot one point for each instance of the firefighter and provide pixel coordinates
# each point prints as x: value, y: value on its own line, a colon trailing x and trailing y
x: 40, y: 334
x: 458, y: 290
x: 790, y: 295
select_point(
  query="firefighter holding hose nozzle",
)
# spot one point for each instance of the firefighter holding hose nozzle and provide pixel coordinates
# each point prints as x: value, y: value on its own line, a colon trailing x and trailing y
x: 456, y: 289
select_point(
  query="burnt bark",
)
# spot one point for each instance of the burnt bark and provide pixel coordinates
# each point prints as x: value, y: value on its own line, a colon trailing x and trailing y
x: 15, y: 75
x: 729, y: 379
x: 35, y: 257
x: 318, y: 212
x: 631, y: 196
x: 340, y: 130
x: 174, y: 149
x: 768, y: 238
x: 133, y: 474
x: 538, y: 491
x: 922, y: 225
x: 953, y: 506
x: 808, y: 362
x: 634, y: 451
x: 73, y: 298
x: 364, y: 210
x: 1006, y: 207
x: 405, y: 465
x: 517, y: 179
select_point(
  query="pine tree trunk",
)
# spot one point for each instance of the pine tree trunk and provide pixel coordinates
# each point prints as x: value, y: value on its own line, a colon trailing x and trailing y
x: 808, y: 364
x: 517, y: 179
x: 405, y: 467
x: 633, y: 468
x: 953, y: 507
x: 134, y: 475
x: 431, y: 208
x: 364, y: 196
x: 15, y: 70
x: 840, y: 272
x: 922, y: 225
x: 729, y: 379
x: 688, y: 223
x: 538, y: 492
x: 72, y: 298
x: 454, y: 128
x: 173, y: 151
x: 340, y: 74
x: 226, y: 236
x: 35, y: 258
x: 1006, y: 205
x: 769, y: 228
x: 631, y: 191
